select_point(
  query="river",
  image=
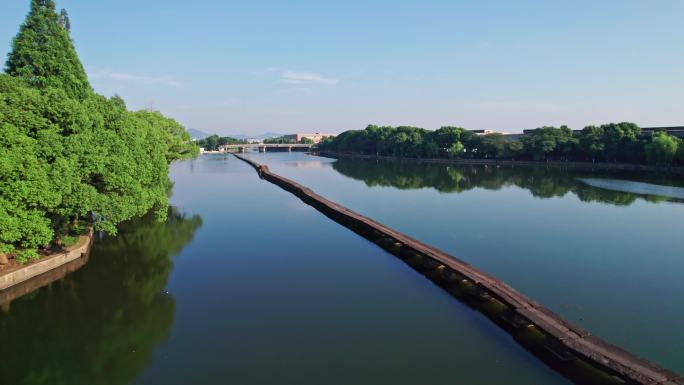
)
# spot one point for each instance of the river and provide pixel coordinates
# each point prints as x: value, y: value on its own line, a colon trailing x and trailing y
x: 246, y: 284
x: 603, y: 249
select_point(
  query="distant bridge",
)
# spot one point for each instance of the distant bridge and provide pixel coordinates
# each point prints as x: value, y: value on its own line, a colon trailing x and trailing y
x: 263, y: 147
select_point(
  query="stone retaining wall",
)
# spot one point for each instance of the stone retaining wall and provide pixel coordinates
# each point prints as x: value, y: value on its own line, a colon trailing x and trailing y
x: 19, y: 274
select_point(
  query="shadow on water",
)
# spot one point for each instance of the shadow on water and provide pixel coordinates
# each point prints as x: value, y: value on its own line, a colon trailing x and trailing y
x: 541, y: 182
x: 101, y: 324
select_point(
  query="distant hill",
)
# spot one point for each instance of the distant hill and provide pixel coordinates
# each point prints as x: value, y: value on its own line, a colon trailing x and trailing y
x: 197, y: 134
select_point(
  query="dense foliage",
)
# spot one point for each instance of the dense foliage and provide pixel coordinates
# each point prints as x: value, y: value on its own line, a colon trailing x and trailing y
x: 68, y: 154
x: 212, y: 143
x: 614, y: 142
x: 44, y: 55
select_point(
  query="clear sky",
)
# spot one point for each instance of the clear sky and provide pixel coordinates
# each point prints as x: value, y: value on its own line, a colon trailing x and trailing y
x: 250, y: 66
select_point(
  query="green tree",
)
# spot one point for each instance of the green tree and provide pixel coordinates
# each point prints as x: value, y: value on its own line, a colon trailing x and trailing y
x: 514, y: 149
x: 471, y: 143
x: 456, y: 150
x: 541, y: 143
x: 493, y: 145
x: 620, y: 141
x: 44, y: 55
x: 662, y: 148
x: 30, y: 165
x: 447, y: 136
x: 68, y: 154
x: 179, y: 145
x: 591, y: 142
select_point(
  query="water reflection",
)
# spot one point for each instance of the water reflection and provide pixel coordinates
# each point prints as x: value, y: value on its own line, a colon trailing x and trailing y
x: 541, y: 182
x: 100, y: 324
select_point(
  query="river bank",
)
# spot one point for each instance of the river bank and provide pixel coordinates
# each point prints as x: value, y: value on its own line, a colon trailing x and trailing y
x: 513, y: 163
x: 17, y: 274
x: 576, y: 351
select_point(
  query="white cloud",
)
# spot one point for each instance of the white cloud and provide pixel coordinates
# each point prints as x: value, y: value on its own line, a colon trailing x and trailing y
x: 294, y: 77
x: 135, y: 78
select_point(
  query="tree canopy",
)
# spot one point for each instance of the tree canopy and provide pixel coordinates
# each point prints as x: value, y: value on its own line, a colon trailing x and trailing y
x: 69, y: 155
x: 44, y: 55
x: 614, y: 142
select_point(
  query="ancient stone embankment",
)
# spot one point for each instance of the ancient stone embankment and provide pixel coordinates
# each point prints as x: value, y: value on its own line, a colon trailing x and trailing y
x: 580, y: 356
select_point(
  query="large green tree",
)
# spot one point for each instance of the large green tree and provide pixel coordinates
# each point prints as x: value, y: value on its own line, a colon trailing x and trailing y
x: 44, y: 55
x: 69, y: 155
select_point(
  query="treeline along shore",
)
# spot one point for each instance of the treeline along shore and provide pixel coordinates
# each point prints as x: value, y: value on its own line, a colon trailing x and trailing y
x: 674, y: 169
x: 70, y: 159
x: 614, y: 143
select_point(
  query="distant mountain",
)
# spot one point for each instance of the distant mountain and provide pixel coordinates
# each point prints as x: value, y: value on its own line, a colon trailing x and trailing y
x: 197, y: 134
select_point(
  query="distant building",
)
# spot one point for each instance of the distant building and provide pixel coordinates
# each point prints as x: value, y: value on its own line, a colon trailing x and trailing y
x: 674, y: 131
x: 316, y: 138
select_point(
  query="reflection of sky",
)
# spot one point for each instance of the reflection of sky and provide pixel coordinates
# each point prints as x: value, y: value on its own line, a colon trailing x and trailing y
x: 635, y: 187
x: 564, y: 251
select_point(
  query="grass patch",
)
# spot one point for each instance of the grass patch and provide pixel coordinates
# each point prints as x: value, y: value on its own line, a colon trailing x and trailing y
x: 70, y: 240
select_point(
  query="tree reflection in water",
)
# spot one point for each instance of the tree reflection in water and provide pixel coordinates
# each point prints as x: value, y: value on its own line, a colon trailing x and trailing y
x: 100, y: 324
x: 541, y: 182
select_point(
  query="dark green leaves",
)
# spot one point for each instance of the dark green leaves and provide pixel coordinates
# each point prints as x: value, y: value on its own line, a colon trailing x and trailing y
x: 44, y: 55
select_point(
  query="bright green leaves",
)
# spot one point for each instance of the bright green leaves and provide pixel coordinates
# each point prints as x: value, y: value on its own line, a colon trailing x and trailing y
x: 662, y: 148
x: 178, y: 141
x: 68, y: 154
x: 62, y: 159
x: 25, y: 192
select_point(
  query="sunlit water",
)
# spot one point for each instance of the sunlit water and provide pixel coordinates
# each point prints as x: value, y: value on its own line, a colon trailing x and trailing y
x: 245, y: 284
x: 604, y: 250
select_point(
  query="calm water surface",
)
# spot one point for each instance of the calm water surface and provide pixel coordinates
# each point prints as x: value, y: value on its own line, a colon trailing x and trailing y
x: 604, y: 250
x: 245, y: 284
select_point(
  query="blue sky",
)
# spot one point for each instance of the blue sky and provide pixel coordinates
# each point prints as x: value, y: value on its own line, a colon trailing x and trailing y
x: 253, y: 66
